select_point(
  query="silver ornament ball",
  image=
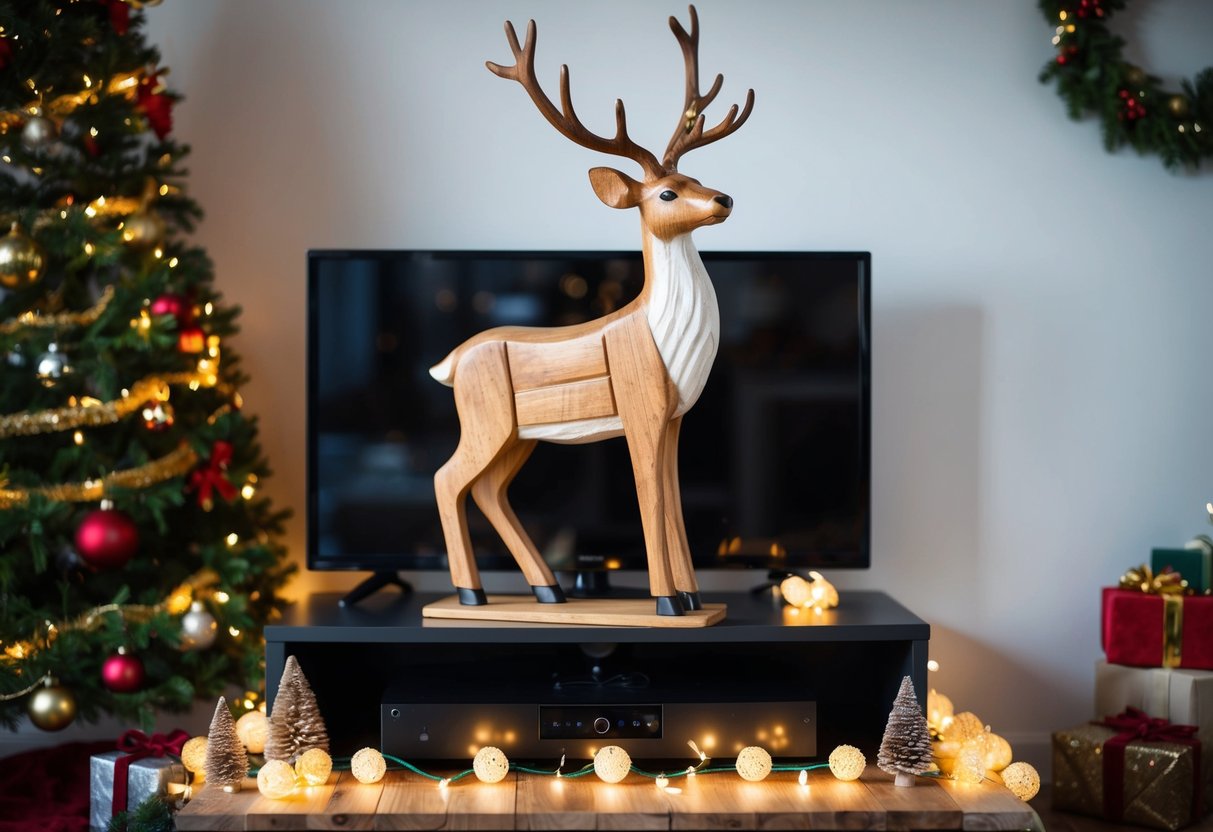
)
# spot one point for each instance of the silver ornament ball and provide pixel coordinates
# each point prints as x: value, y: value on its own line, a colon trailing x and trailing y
x: 198, y: 628
x: 52, y: 365
x: 38, y: 132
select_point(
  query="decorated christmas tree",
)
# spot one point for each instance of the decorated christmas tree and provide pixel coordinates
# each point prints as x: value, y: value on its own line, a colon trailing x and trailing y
x: 906, y: 748
x: 138, y: 559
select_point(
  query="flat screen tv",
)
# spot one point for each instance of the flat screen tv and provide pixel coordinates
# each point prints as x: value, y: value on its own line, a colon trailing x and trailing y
x: 774, y: 457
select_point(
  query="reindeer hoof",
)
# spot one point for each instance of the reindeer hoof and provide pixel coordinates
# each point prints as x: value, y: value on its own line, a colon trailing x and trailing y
x: 690, y: 600
x: 471, y: 597
x: 548, y: 594
x: 669, y: 605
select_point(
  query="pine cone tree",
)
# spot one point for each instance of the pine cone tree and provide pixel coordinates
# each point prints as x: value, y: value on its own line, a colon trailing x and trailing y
x: 226, y: 759
x: 906, y: 747
x: 295, y: 722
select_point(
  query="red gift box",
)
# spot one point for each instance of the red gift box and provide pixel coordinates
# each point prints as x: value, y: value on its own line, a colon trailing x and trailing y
x: 1147, y: 630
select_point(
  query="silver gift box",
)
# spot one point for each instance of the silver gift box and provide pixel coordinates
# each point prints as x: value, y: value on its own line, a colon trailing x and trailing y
x: 146, y: 777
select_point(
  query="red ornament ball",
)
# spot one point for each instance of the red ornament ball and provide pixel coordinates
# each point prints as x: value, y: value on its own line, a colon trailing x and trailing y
x: 122, y: 673
x: 107, y: 539
x: 191, y: 339
x: 179, y: 306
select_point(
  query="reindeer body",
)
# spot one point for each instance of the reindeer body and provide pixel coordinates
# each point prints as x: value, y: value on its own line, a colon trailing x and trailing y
x: 632, y: 373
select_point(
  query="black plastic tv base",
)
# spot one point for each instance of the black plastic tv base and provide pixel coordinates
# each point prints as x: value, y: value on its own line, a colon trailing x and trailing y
x: 849, y: 661
x: 373, y: 584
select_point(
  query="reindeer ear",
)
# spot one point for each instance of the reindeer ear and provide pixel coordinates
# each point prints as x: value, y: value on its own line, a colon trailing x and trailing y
x: 618, y: 190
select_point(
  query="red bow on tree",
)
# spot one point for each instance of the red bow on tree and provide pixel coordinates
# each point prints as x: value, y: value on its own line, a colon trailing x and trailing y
x: 120, y: 15
x: 212, y: 476
x: 6, y: 53
x: 155, y: 103
x: 137, y: 746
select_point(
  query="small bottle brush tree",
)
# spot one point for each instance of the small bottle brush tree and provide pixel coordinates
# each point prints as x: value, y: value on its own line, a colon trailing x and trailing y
x: 295, y: 722
x: 226, y: 759
x: 905, y: 750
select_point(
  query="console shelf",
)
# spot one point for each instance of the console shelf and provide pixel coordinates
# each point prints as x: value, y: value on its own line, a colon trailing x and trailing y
x: 849, y: 661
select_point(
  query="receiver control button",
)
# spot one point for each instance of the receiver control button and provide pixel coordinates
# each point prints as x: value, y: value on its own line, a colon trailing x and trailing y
x: 602, y: 725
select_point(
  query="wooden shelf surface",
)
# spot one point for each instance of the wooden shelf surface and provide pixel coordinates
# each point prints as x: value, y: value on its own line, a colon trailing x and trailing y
x: 707, y: 802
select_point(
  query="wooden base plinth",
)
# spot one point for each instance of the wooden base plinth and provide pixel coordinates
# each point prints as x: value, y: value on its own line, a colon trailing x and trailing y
x: 603, y: 612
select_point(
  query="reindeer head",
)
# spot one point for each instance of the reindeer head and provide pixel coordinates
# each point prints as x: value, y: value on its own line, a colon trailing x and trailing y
x: 670, y: 203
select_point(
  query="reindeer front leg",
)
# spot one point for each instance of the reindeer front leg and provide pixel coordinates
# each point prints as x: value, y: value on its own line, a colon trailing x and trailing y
x: 645, y: 399
x: 675, y: 527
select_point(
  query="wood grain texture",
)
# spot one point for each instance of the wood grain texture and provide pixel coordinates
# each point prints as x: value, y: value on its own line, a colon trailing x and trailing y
x: 214, y: 809
x: 534, y: 365
x: 588, y: 399
x: 353, y: 805
x: 622, y: 612
x: 293, y: 812
x: 925, y: 805
x: 490, y: 491
x: 989, y: 806
x: 588, y: 803
x: 410, y: 802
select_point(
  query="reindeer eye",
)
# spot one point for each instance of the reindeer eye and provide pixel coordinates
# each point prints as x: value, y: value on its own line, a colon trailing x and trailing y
x: 668, y: 196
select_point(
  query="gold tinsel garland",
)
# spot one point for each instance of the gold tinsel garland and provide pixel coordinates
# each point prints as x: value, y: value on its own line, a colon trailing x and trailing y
x: 34, y: 320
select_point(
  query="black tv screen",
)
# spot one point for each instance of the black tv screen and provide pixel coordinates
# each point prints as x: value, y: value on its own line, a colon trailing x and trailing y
x: 773, y: 458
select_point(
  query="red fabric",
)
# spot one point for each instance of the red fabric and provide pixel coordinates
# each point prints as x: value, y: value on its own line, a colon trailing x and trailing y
x: 1135, y: 726
x: 211, y: 477
x: 137, y: 746
x: 1132, y: 629
x: 46, y: 790
x: 120, y: 15
x: 157, y: 106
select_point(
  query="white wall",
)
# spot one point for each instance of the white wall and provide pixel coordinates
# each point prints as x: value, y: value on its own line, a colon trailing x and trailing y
x: 1041, y: 307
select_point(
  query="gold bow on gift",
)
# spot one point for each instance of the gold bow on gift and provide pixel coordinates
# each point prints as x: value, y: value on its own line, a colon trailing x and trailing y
x: 1172, y: 587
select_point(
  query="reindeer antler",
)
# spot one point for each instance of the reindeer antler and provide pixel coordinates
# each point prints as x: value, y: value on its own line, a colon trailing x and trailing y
x: 690, y: 133
x: 565, y: 119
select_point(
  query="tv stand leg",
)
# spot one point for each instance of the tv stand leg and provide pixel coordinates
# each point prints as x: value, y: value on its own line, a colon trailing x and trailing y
x: 373, y: 584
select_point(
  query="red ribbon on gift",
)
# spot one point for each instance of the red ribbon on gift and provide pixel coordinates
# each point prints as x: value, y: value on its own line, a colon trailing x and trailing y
x: 139, y: 746
x: 212, y: 476
x: 1135, y: 725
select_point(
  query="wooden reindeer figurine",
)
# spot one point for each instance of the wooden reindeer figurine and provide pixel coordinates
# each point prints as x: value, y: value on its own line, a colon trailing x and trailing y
x: 634, y: 372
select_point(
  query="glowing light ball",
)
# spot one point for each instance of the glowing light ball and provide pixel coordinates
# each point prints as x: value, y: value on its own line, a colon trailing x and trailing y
x: 796, y: 591
x: 253, y: 728
x: 314, y: 766
x: 193, y: 757
x: 490, y: 765
x: 276, y: 779
x: 847, y: 762
x: 965, y: 726
x: 368, y: 766
x: 753, y: 763
x: 998, y: 753
x: 939, y: 708
x: 970, y: 765
x: 612, y: 764
x: 1022, y: 780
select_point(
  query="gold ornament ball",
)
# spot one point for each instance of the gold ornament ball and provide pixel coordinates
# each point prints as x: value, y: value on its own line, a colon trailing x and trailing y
x: 22, y: 260
x: 970, y: 765
x: 368, y: 766
x: 143, y: 229
x: 612, y: 764
x: 754, y: 763
x: 796, y: 591
x: 490, y: 765
x: 193, y: 757
x: 998, y: 753
x: 38, y: 131
x: 52, y: 708
x: 1022, y: 780
x: 847, y: 762
x: 276, y: 779
x: 1178, y: 105
x: 965, y: 726
x: 314, y: 766
x: 253, y: 728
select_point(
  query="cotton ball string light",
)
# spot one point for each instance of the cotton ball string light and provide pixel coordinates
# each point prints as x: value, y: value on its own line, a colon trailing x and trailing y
x: 276, y: 779
x: 368, y: 766
x: 612, y: 764
x: 795, y: 591
x: 939, y: 710
x: 964, y: 726
x: 253, y: 728
x: 970, y: 765
x: 193, y: 757
x: 754, y: 763
x: 997, y: 752
x: 1022, y: 780
x: 847, y: 762
x: 490, y: 765
x: 314, y: 766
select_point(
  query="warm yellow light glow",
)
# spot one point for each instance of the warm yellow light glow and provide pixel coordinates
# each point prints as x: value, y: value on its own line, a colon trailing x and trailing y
x: 490, y: 765
x: 276, y: 779
x: 234, y: 632
x: 970, y: 766
x: 932, y: 665
x: 247, y: 492
x: 159, y: 253
x: 89, y: 212
x: 92, y: 131
x: 662, y: 781
x: 612, y: 764
x: 88, y: 82
x: 754, y: 763
x: 1070, y: 28
x: 939, y: 710
x: 998, y: 753
x: 78, y: 438
x: 233, y: 539
x: 1062, y: 14
x: 253, y: 729
x: 89, y: 248
x: 1022, y: 780
x: 172, y: 264
x: 847, y: 762
x: 368, y: 766
x: 803, y: 778
x: 695, y: 748
x: 795, y: 591
x: 164, y: 190
x: 963, y: 727
x: 222, y: 597
x: 314, y: 766
x: 193, y: 757
x: 179, y: 601
x: 209, y: 308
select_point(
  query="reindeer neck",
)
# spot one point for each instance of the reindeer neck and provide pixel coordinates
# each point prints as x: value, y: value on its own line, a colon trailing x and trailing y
x: 668, y: 265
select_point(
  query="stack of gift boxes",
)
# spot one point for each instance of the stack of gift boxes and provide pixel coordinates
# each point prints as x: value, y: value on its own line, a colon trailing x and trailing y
x: 1145, y: 758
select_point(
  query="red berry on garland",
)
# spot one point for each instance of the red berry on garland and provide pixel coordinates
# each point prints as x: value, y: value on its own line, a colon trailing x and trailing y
x: 179, y: 306
x: 191, y: 339
x: 107, y: 539
x: 123, y: 673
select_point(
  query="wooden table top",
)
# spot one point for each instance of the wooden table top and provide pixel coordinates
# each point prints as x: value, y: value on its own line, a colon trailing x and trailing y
x: 705, y: 802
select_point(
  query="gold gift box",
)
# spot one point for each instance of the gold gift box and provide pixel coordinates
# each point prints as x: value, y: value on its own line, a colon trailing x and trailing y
x: 1158, y: 778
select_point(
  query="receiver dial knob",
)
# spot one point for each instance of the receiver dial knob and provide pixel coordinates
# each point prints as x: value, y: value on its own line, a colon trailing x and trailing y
x: 602, y: 725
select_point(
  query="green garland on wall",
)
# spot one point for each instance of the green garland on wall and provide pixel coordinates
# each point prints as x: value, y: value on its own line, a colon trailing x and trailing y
x: 1093, y: 76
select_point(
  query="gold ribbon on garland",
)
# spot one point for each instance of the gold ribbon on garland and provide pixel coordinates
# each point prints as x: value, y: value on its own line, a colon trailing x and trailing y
x: 33, y: 320
x: 1172, y: 587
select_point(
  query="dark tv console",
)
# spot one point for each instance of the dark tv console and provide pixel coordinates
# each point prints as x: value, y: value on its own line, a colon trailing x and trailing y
x: 847, y: 662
